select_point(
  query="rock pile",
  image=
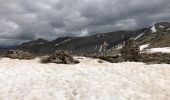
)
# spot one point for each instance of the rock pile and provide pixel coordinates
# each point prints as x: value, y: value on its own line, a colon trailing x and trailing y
x: 60, y: 57
x: 131, y: 51
x: 18, y: 54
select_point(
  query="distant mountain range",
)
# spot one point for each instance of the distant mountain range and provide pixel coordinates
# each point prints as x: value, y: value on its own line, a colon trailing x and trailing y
x: 157, y: 35
x: 8, y: 47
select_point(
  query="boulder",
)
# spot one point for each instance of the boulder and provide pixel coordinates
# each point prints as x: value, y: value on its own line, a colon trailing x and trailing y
x: 60, y: 57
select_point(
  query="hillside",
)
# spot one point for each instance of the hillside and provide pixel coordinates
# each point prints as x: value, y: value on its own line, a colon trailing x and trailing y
x: 156, y: 36
x: 159, y: 37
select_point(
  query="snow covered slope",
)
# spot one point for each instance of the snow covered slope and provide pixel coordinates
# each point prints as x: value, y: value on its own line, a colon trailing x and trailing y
x: 89, y: 80
x: 143, y: 46
x: 153, y: 29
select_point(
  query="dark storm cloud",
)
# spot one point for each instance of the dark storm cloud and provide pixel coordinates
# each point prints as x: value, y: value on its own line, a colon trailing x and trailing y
x: 29, y: 19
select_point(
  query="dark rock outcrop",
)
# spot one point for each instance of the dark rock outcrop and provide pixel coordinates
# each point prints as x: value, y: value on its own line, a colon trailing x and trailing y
x: 60, y: 57
x: 112, y: 58
x: 18, y: 54
x: 155, y: 58
x: 131, y: 51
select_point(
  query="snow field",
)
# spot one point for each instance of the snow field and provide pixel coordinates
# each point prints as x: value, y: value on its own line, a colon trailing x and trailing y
x: 89, y: 80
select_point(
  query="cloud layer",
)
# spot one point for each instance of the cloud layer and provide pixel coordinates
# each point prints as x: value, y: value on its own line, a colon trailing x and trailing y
x: 22, y: 20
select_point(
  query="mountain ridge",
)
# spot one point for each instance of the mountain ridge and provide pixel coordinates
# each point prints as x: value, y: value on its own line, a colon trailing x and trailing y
x: 94, y: 43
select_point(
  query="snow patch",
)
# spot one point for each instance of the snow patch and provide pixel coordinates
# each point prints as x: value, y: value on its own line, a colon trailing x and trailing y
x: 56, y: 44
x: 98, y: 35
x: 67, y: 40
x: 161, y: 26
x: 168, y: 29
x: 120, y: 46
x: 139, y: 36
x: 143, y: 46
x: 153, y: 29
x: 100, y: 48
x: 162, y: 50
x: 40, y: 43
x: 96, y: 47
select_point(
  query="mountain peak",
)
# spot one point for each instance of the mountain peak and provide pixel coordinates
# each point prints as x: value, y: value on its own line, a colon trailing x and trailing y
x: 40, y: 40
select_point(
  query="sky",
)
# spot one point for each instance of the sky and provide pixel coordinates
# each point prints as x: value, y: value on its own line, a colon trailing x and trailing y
x: 24, y: 20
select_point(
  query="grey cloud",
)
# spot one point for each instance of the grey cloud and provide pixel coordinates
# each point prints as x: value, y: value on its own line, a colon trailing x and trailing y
x: 30, y: 19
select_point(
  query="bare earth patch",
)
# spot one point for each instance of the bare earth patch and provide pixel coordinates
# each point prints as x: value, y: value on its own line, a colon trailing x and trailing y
x: 89, y: 80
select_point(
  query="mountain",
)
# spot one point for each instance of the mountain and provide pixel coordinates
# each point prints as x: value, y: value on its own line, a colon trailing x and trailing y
x: 33, y: 46
x: 9, y: 47
x: 158, y: 37
x: 78, y: 45
x: 155, y: 35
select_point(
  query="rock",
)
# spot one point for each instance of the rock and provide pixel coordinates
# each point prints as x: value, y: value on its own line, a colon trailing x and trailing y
x: 162, y: 26
x: 156, y: 58
x: 100, y: 61
x: 108, y: 57
x: 112, y: 58
x: 131, y: 51
x: 60, y: 57
x: 56, y: 60
x: 18, y: 54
